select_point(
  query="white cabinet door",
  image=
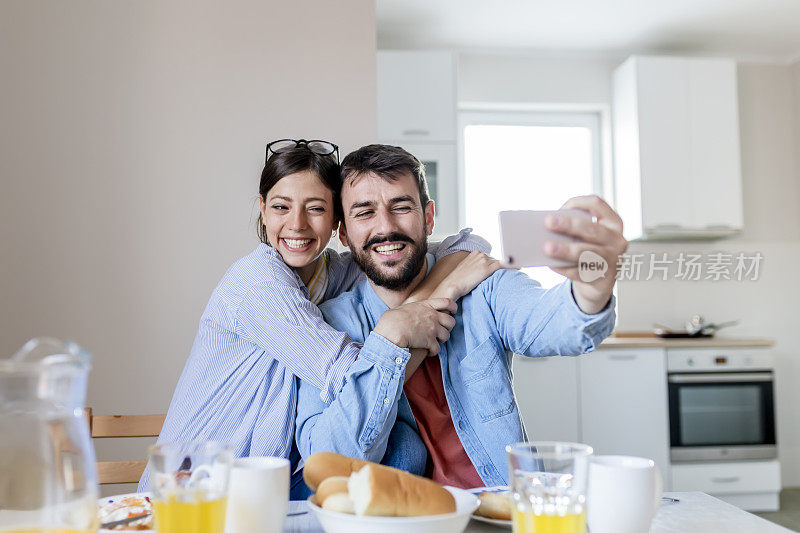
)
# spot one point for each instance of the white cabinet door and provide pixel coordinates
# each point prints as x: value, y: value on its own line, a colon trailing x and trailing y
x: 416, y: 96
x: 662, y: 95
x: 624, y: 410
x: 714, y: 149
x: 546, y: 389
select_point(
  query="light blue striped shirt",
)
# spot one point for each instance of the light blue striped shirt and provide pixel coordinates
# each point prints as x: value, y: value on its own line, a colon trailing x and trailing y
x: 258, y: 333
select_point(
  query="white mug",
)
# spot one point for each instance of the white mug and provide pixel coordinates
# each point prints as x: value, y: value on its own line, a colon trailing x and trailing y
x: 258, y: 495
x: 624, y: 494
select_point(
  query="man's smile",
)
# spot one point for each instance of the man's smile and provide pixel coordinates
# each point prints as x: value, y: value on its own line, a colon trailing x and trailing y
x: 389, y: 250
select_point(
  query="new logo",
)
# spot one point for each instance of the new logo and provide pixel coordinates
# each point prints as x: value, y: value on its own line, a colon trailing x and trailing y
x: 591, y: 266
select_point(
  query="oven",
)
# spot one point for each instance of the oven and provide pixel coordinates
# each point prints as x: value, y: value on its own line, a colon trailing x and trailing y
x: 721, y: 406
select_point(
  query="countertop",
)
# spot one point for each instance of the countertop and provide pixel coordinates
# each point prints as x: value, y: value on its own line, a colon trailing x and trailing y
x: 696, y: 512
x: 713, y: 342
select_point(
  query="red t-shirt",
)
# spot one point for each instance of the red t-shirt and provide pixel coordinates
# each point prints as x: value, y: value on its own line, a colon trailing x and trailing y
x: 425, y: 393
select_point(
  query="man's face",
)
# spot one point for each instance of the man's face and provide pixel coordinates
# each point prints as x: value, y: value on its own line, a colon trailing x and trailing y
x: 386, y: 228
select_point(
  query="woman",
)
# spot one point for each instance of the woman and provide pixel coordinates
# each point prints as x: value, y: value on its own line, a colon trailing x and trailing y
x: 261, y: 328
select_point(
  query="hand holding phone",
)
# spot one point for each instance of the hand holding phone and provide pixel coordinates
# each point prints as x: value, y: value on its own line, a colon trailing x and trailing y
x: 589, y: 232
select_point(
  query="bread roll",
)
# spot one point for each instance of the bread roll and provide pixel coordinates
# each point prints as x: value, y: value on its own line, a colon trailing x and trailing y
x: 378, y: 490
x: 323, y: 465
x: 339, y: 502
x: 495, y: 505
x: 330, y: 486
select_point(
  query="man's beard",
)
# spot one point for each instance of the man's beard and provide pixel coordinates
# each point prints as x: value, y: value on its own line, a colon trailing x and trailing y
x: 409, y: 268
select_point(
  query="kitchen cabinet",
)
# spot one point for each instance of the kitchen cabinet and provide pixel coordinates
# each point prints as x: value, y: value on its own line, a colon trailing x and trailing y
x: 416, y: 96
x: 676, y: 148
x: 613, y: 400
x: 546, y: 390
x: 417, y: 110
x: 623, y: 404
x: 751, y: 485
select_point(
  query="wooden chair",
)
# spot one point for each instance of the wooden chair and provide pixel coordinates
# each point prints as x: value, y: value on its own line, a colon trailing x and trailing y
x: 113, y: 426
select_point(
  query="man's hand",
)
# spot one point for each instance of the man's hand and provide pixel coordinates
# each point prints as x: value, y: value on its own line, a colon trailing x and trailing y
x: 424, y: 324
x: 604, y: 237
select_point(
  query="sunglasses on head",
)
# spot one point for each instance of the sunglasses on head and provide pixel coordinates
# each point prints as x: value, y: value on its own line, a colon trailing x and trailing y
x: 316, y: 146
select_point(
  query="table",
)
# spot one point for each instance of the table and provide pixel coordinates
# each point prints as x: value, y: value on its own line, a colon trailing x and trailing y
x: 696, y: 512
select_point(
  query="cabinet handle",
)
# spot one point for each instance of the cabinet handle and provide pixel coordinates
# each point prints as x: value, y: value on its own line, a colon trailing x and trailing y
x: 622, y: 357
x: 731, y: 479
x: 416, y: 132
x: 664, y: 227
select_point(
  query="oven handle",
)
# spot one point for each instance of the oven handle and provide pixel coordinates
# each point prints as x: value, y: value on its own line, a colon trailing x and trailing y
x: 719, y: 378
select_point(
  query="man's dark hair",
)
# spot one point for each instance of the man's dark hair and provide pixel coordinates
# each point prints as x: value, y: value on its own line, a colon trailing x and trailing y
x: 388, y: 162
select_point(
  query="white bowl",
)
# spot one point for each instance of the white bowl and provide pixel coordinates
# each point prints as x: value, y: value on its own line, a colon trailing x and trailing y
x: 334, y: 522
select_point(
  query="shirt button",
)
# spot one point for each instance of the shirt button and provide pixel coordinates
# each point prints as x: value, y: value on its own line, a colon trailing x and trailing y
x: 460, y: 424
x: 386, y: 401
x: 485, y: 470
x: 398, y: 360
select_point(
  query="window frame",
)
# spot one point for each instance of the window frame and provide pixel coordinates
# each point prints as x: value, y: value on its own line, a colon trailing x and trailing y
x: 594, y: 117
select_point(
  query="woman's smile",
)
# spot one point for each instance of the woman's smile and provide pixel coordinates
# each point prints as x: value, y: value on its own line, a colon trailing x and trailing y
x: 297, y: 245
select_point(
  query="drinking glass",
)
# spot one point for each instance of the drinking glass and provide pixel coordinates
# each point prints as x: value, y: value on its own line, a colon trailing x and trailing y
x: 548, y: 486
x: 189, y: 481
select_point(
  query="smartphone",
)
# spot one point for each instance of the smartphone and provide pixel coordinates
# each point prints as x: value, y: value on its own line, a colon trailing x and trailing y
x: 523, y: 234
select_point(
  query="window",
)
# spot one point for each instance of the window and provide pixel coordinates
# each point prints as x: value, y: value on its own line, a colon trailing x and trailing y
x: 526, y: 160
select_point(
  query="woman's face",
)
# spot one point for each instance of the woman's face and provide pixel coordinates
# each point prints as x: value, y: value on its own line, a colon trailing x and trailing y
x: 299, y: 217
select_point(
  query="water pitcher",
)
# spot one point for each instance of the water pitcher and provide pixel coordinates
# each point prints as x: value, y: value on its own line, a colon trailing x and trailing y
x: 48, y: 474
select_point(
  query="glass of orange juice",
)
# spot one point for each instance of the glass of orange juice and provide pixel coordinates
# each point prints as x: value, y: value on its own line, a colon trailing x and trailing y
x: 548, y: 486
x: 189, y: 481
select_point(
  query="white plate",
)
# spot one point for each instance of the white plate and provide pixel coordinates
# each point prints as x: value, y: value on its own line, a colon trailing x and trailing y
x: 102, y: 502
x: 494, y: 521
x: 334, y: 522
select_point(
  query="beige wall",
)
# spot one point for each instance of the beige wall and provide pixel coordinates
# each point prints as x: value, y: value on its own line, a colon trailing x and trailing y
x: 770, y: 140
x: 131, y: 141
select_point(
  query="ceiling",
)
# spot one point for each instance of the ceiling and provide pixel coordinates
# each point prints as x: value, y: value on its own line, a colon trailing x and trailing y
x: 766, y: 30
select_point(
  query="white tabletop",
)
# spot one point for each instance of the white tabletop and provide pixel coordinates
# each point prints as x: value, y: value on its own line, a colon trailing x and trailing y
x: 696, y: 512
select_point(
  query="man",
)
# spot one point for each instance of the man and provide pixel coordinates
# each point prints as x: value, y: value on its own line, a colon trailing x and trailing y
x: 461, y: 403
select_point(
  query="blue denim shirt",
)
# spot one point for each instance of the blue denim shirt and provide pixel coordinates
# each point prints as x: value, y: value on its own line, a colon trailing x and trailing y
x: 507, y: 313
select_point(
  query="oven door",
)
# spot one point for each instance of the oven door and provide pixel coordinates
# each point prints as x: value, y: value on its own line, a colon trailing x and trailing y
x: 721, y: 416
